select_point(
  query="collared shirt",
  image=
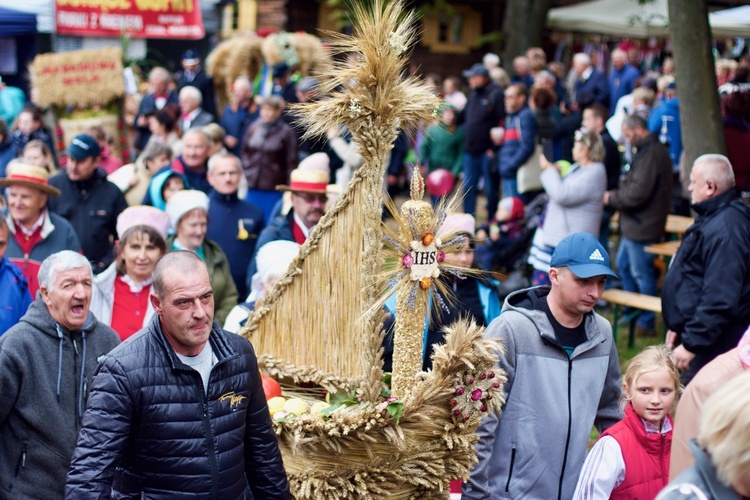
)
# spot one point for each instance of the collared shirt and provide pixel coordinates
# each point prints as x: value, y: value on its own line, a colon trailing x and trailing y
x: 187, y: 120
x: 37, y: 225
x: 305, y: 230
x: 587, y: 73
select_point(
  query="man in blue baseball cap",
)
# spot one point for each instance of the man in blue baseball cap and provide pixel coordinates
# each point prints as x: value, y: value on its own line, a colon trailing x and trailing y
x: 88, y: 201
x: 563, y: 378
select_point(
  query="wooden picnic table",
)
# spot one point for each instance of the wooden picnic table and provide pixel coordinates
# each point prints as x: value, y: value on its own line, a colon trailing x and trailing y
x: 666, y: 249
x: 678, y: 224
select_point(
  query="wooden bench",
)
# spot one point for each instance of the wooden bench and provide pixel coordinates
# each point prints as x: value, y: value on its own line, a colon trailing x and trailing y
x: 678, y: 224
x: 621, y: 298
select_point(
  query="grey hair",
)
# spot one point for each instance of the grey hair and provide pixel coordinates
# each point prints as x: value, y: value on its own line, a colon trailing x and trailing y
x: 596, y: 146
x: 61, y: 262
x: 198, y: 131
x: 155, y: 149
x: 180, y: 262
x: 192, y: 93
x: 160, y: 73
x: 243, y: 81
x: 221, y: 155
x: 717, y: 168
x: 545, y: 75
x: 582, y: 58
x: 632, y: 122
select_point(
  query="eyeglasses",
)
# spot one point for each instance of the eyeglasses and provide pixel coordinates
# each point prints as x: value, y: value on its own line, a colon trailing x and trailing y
x: 310, y: 197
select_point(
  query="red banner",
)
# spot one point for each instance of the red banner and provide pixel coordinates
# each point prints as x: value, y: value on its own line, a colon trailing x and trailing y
x: 173, y: 19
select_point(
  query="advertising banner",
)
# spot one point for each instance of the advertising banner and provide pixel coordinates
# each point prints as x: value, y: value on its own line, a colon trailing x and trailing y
x: 172, y: 19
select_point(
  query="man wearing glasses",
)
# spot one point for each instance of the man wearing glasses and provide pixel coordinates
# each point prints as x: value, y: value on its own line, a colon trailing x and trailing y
x: 309, y: 193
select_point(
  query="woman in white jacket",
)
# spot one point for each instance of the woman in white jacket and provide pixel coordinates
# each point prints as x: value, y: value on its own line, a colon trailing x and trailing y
x: 120, y: 295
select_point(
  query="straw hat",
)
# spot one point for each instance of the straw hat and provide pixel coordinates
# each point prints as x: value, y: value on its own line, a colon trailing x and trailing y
x: 311, y: 177
x: 22, y: 174
x: 143, y: 215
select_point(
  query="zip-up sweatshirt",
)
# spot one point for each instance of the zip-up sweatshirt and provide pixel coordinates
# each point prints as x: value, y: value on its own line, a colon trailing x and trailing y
x: 537, y: 446
x: 45, y: 371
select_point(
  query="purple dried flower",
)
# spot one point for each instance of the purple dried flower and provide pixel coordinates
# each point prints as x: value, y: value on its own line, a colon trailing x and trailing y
x: 407, y: 260
x: 457, y: 411
x: 483, y: 408
x: 460, y: 391
x: 476, y: 394
x: 491, y: 374
x: 496, y: 384
x: 470, y: 381
x: 482, y: 376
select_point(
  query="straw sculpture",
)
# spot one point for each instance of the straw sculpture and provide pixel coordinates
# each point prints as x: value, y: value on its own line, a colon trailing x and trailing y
x: 247, y: 55
x: 320, y: 329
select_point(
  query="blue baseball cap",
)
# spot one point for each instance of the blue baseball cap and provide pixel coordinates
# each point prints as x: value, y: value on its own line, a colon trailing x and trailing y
x: 477, y: 69
x: 191, y: 56
x: 82, y: 147
x: 583, y: 255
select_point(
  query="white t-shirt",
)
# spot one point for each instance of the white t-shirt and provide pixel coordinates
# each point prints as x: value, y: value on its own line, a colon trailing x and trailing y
x: 202, y: 363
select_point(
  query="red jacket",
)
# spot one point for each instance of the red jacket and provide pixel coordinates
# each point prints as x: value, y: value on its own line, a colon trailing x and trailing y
x: 646, y: 458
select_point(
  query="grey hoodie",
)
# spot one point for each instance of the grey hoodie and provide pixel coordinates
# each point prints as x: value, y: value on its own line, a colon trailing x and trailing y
x: 45, y: 371
x: 536, y: 448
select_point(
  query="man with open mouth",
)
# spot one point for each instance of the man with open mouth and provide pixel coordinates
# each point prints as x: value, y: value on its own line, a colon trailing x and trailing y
x: 47, y: 362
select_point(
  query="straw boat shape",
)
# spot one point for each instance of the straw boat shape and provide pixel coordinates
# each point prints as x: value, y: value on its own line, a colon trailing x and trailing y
x: 320, y: 323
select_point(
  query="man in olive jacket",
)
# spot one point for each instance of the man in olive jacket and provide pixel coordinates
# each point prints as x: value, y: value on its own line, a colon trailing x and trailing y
x: 178, y: 410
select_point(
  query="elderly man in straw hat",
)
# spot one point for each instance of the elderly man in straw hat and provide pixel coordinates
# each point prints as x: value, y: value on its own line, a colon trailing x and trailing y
x: 35, y: 232
x: 309, y: 193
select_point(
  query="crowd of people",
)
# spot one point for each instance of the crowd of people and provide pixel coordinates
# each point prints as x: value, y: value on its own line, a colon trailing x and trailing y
x: 181, y: 243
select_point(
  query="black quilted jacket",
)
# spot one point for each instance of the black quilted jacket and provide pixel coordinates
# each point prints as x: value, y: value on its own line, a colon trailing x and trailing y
x: 150, y: 431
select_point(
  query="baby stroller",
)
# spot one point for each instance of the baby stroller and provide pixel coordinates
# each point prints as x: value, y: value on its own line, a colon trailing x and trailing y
x: 510, y: 262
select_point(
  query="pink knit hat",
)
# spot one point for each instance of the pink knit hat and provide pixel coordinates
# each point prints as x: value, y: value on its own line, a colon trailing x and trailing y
x: 142, y: 215
x: 458, y: 223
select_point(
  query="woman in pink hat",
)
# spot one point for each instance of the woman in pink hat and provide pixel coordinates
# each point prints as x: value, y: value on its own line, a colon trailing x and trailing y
x: 120, y: 296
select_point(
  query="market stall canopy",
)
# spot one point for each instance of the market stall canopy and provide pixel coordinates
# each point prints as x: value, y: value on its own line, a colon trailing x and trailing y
x: 42, y: 9
x: 15, y: 23
x: 628, y: 18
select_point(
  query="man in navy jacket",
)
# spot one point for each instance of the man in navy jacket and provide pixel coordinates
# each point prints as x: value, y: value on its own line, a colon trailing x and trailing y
x: 591, y: 86
x: 232, y: 223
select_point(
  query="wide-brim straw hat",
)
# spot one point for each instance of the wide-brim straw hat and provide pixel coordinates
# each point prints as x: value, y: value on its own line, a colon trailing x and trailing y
x: 23, y: 174
x: 307, y: 181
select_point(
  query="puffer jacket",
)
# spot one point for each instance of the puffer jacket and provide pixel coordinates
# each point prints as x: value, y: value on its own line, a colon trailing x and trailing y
x: 45, y: 372
x: 151, y: 431
x: 537, y: 447
x: 706, y: 293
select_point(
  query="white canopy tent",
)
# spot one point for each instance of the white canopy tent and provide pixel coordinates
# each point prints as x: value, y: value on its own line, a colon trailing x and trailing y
x: 629, y: 19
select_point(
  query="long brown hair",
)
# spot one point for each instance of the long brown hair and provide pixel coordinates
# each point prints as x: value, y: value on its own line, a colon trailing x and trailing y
x: 154, y: 237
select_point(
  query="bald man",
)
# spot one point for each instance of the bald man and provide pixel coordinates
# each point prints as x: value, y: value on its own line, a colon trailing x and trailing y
x: 706, y: 293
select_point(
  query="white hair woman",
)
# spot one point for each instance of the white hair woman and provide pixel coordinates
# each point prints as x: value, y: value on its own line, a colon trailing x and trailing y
x: 272, y: 260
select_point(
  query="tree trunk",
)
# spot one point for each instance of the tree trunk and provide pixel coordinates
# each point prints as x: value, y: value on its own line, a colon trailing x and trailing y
x: 523, y: 27
x: 700, y: 116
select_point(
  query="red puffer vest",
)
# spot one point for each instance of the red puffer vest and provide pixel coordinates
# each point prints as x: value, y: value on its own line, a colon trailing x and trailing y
x: 646, y: 458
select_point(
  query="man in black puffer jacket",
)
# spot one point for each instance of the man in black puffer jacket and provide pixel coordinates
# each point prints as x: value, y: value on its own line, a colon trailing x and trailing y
x: 157, y: 427
x: 706, y: 293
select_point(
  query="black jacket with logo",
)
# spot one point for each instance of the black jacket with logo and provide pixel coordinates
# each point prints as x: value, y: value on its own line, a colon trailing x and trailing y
x: 92, y: 207
x: 151, y: 431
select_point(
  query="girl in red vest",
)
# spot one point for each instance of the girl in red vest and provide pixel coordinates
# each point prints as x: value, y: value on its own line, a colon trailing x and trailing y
x: 631, y: 459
